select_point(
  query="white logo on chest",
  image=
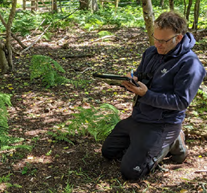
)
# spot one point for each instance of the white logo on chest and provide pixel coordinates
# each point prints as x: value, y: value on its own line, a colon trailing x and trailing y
x: 163, y: 71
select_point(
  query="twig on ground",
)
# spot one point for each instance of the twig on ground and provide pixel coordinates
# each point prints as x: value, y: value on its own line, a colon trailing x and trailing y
x: 102, y: 38
x: 89, y: 68
x: 200, y: 171
x: 34, y: 30
x: 36, y: 39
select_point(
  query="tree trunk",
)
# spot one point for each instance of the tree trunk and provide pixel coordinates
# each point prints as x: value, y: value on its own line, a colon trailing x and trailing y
x: 184, y: 11
x: 54, y: 6
x: 188, y: 9
x: 171, y: 3
x: 3, y: 61
x: 9, y: 62
x: 8, y: 33
x: 91, y: 5
x: 83, y: 4
x: 24, y: 4
x: 33, y: 5
x: 116, y: 3
x: 60, y: 3
x: 138, y: 2
x: 161, y: 3
x: 148, y: 18
x: 196, y: 14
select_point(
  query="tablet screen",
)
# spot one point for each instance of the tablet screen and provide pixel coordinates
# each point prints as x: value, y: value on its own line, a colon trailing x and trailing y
x: 113, y: 79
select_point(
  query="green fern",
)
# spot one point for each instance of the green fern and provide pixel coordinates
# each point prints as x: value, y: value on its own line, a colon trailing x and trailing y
x: 4, y: 102
x: 6, y: 141
x: 97, y: 122
x: 48, y: 70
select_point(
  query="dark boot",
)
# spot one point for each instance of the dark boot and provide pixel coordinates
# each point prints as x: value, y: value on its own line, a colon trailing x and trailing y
x: 178, y: 149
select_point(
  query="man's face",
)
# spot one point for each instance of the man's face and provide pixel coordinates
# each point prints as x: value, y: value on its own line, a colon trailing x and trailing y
x: 165, y: 40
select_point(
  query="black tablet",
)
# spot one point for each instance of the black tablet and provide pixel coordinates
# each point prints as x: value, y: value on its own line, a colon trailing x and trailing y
x: 113, y: 79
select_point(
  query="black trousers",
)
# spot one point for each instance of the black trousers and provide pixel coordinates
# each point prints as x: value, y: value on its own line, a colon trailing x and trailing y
x: 136, y: 144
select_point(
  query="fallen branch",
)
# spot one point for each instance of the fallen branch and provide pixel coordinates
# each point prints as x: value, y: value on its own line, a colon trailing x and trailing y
x: 40, y: 36
x: 200, y: 171
x: 108, y: 36
x: 77, y: 56
x: 89, y: 68
x: 35, y: 29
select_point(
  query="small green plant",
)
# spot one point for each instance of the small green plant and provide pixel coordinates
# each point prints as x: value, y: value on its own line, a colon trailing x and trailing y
x: 24, y: 170
x: 4, y: 102
x: 200, y: 99
x: 6, y: 178
x: 104, y: 33
x: 68, y: 188
x: 5, y: 139
x: 48, y: 70
x: 98, y: 122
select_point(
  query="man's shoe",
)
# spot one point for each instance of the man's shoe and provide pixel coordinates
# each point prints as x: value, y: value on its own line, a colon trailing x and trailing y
x: 178, y: 149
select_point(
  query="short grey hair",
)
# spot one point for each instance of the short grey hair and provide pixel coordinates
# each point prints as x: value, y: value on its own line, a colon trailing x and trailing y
x: 171, y: 20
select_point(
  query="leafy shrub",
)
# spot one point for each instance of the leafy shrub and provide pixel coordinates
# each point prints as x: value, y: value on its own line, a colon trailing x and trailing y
x: 47, y: 69
x: 4, y: 102
x: 97, y: 122
x: 4, y: 3
x: 5, y: 139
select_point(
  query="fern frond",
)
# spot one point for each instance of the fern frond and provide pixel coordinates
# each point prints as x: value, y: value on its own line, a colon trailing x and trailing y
x: 97, y: 122
x: 47, y: 69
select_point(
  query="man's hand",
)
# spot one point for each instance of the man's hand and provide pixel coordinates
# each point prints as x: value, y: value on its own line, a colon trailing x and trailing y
x: 141, y: 90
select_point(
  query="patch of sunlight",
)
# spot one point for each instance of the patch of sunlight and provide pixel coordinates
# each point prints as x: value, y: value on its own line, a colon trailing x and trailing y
x: 3, y: 187
x: 33, y: 159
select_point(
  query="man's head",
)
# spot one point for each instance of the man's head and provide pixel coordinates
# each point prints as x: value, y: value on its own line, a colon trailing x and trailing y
x: 169, y: 29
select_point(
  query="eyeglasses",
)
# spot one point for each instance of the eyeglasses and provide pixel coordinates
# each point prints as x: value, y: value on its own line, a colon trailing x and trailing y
x: 163, y: 41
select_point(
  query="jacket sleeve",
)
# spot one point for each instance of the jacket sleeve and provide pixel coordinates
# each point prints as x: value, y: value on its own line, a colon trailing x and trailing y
x: 186, y: 84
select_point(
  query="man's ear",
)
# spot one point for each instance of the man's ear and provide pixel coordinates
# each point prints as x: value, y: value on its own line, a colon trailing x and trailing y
x: 179, y: 38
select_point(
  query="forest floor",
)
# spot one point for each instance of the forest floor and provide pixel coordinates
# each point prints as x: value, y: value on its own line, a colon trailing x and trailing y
x: 59, y: 166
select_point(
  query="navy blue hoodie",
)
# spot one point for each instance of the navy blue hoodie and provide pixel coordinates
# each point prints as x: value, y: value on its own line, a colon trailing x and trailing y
x: 176, y: 79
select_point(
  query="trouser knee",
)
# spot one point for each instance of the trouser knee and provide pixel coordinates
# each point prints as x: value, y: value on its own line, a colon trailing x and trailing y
x: 105, y: 152
x: 134, y: 173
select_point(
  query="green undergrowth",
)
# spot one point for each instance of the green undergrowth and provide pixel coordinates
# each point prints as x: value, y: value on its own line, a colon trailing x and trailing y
x: 7, y: 141
x: 50, y: 72
x: 127, y: 15
x: 96, y: 122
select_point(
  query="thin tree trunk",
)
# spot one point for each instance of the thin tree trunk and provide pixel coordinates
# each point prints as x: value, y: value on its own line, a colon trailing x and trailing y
x: 149, y: 19
x: 184, y: 1
x: 171, y: 3
x: 60, y: 3
x: 138, y: 2
x: 161, y: 3
x: 24, y: 4
x: 116, y: 3
x: 54, y: 6
x: 3, y: 61
x: 196, y: 14
x: 8, y: 33
x: 188, y: 9
x: 83, y: 4
x: 91, y: 5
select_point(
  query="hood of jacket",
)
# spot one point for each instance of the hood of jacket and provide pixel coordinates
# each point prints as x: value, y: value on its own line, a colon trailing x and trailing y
x: 186, y: 44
